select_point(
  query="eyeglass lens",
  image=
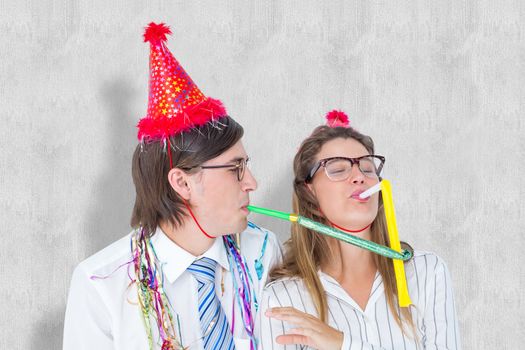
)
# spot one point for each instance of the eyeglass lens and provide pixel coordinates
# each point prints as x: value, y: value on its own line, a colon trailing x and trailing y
x: 340, y: 169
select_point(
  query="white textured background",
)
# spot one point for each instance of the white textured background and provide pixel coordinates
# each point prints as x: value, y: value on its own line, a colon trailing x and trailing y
x: 437, y: 84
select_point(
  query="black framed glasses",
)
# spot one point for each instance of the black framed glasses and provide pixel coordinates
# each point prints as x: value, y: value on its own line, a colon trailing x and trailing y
x: 340, y: 168
x: 240, y: 166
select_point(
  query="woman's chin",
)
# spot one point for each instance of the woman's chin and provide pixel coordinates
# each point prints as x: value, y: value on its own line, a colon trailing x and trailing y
x: 355, y: 223
x: 359, y: 214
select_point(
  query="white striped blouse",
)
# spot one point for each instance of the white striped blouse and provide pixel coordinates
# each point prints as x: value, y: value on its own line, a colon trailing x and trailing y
x: 430, y: 290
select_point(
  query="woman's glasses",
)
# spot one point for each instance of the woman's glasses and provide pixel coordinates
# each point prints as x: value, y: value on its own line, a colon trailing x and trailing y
x: 340, y: 168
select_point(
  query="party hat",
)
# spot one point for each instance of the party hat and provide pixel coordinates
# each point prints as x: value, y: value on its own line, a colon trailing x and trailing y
x: 175, y: 103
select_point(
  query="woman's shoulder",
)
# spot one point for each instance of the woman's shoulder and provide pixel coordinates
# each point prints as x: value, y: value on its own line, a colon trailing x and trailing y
x: 286, y: 291
x: 284, y: 283
x: 425, y: 263
x: 430, y: 258
x: 285, y: 286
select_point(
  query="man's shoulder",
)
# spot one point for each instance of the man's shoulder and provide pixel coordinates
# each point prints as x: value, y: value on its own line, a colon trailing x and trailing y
x: 100, y: 284
x: 257, y: 232
x: 261, y: 249
x: 108, y: 259
x: 258, y: 238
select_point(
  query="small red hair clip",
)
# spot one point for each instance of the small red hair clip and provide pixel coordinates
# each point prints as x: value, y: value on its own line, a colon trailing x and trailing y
x: 337, y: 118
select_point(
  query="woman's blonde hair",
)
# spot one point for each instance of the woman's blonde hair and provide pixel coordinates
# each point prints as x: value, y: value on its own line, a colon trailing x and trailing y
x: 307, y: 250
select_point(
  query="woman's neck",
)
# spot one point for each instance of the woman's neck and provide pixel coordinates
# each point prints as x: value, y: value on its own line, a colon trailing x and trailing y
x: 349, y: 262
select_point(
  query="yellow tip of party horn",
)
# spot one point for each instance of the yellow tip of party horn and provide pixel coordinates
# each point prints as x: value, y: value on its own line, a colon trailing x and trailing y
x: 395, y: 244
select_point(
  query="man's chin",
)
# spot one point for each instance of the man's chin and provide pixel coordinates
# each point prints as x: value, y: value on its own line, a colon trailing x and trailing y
x: 242, y: 225
x: 235, y: 228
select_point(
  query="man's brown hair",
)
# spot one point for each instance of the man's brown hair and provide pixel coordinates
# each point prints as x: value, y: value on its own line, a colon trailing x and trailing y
x: 155, y: 200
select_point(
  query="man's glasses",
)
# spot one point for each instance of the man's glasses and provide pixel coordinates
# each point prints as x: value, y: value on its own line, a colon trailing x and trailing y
x: 340, y: 168
x: 240, y: 166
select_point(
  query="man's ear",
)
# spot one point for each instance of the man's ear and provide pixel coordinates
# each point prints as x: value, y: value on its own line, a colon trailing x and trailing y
x: 178, y: 180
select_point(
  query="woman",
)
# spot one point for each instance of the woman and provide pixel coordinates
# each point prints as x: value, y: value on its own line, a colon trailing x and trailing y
x: 328, y: 294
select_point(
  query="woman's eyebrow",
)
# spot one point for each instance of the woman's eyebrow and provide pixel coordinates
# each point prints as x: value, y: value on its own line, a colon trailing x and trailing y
x: 237, y: 159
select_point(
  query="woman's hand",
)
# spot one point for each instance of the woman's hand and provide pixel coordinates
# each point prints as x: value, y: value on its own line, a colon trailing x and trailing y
x: 308, y: 330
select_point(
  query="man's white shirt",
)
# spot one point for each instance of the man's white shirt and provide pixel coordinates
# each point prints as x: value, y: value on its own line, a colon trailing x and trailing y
x: 102, y: 311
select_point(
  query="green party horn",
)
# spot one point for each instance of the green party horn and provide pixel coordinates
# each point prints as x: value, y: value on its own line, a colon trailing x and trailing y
x: 334, y: 233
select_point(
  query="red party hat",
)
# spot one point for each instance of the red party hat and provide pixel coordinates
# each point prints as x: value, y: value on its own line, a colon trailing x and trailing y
x: 175, y: 103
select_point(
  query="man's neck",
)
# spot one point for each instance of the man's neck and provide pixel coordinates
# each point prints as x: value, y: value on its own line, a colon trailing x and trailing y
x: 188, y: 237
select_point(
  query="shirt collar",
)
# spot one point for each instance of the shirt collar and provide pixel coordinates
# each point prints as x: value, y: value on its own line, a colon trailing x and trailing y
x: 333, y: 287
x: 175, y: 260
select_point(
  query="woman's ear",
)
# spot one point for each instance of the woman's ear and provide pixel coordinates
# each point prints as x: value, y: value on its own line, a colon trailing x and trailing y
x: 178, y: 180
x: 310, y: 188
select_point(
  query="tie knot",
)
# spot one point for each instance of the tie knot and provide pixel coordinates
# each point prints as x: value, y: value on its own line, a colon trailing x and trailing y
x: 203, y: 270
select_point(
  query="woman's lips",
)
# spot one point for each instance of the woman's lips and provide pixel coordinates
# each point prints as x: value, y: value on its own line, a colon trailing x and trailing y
x: 356, y: 197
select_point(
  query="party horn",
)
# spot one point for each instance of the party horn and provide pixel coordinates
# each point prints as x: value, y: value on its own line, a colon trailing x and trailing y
x: 395, y: 244
x: 335, y: 233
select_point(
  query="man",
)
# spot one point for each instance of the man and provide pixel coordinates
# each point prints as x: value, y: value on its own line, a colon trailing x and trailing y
x: 182, y: 278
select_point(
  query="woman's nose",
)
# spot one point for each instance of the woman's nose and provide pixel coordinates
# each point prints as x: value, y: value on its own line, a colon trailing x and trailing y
x: 356, y: 176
